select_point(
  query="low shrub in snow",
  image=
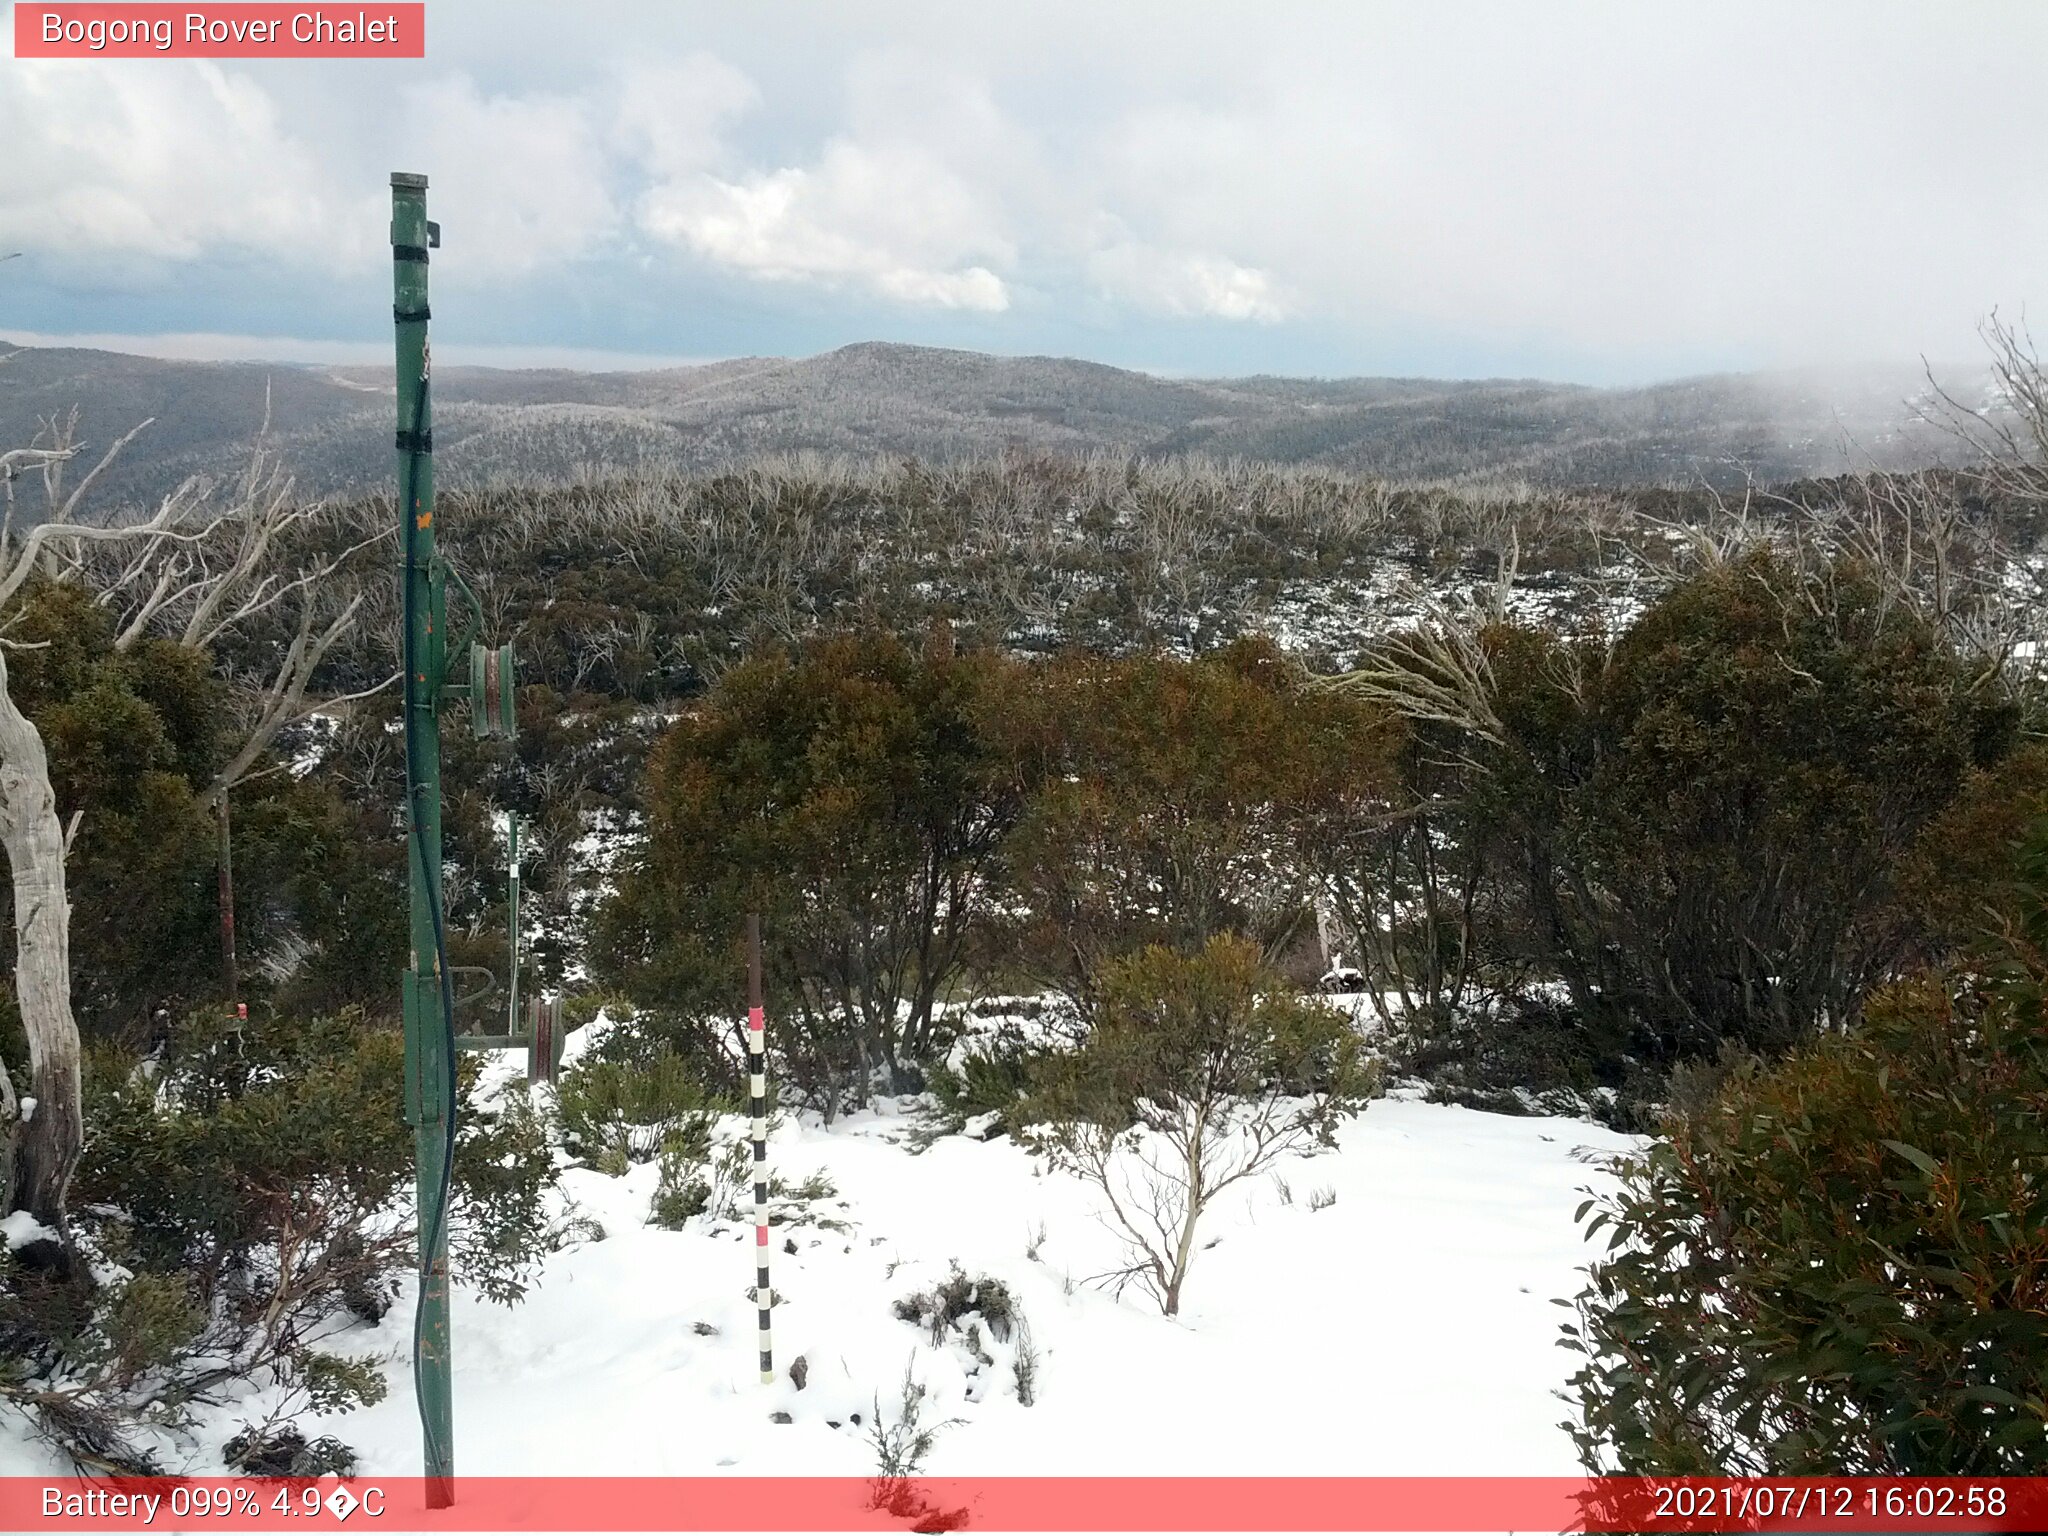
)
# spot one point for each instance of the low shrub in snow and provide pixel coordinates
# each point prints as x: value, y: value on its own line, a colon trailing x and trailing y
x: 615, y: 1113
x: 991, y: 1078
x: 1526, y: 1056
x: 902, y: 1441
x: 980, y: 1320
x: 242, y: 1198
x: 287, y: 1452
x: 692, y: 1178
x: 713, y: 1176
x: 945, y: 1306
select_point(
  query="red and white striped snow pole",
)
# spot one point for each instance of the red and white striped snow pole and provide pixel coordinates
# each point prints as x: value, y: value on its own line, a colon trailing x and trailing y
x: 757, y: 1064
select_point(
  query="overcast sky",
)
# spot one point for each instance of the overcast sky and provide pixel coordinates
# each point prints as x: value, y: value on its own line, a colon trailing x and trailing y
x: 1603, y: 193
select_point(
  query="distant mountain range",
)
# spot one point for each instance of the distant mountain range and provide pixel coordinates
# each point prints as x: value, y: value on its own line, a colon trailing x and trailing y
x: 334, y: 424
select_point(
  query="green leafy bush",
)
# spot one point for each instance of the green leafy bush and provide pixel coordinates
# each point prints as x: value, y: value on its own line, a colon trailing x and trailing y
x: 616, y: 1113
x: 1531, y: 1055
x: 1839, y: 1264
x: 849, y: 791
x: 695, y: 1180
x: 255, y: 1182
x: 993, y: 1078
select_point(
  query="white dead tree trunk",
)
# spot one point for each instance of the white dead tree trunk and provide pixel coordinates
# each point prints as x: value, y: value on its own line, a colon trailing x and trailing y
x: 46, y: 1132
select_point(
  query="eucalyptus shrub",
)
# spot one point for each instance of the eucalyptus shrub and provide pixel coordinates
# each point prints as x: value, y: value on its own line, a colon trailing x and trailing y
x: 249, y: 1192
x: 616, y: 1113
x: 1839, y: 1264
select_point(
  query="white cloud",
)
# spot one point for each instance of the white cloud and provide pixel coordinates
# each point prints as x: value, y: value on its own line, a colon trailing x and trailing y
x: 156, y: 162
x: 1171, y: 283
x: 889, y: 218
x: 1623, y: 189
x: 127, y: 160
x: 672, y: 117
x: 522, y: 181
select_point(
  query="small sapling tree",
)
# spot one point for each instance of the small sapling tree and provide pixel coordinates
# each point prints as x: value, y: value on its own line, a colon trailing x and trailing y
x: 1202, y: 1071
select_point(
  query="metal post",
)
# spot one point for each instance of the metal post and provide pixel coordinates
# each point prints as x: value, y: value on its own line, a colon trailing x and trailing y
x: 512, y: 862
x: 429, y: 1045
x: 757, y: 1062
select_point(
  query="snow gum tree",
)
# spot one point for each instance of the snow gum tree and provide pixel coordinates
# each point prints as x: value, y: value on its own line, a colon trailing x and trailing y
x: 849, y: 790
x: 1202, y: 1071
x: 1175, y: 800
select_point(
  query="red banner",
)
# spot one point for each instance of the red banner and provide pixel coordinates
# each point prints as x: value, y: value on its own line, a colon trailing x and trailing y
x: 1203, y: 1504
x: 359, y: 31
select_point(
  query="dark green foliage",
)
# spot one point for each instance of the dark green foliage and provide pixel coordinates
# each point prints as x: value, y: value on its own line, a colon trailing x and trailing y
x: 253, y: 1181
x: 1173, y: 802
x: 320, y: 898
x: 993, y: 1077
x: 848, y: 792
x: 502, y: 1224
x: 1707, y: 825
x: 1530, y: 1055
x: 265, y: 1154
x: 131, y: 743
x: 1769, y: 743
x: 614, y: 1113
x: 135, y: 738
x: 1839, y: 1264
x: 692, y: 1177
x: 237, y: 1138
x: 1962, y: 866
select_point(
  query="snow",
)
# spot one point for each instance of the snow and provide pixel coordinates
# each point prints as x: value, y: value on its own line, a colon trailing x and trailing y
x: 18, y: 1229
x: 1408, y: 1328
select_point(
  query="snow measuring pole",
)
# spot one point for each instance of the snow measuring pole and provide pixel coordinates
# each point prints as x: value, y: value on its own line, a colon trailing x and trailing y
x: 757, y: 1084
x: 428, y: 984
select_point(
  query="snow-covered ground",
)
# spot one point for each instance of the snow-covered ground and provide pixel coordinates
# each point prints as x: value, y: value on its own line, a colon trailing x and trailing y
x: 1407, y: 1328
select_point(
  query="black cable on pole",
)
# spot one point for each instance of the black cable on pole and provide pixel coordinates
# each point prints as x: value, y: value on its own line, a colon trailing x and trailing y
x: 430, y: 1236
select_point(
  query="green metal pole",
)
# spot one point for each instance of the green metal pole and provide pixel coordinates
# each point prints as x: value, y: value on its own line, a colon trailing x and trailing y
x: 427, y: 1059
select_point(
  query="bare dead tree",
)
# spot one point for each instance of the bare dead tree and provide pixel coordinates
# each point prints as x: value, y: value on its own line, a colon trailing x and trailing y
x: 1439, y: 671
